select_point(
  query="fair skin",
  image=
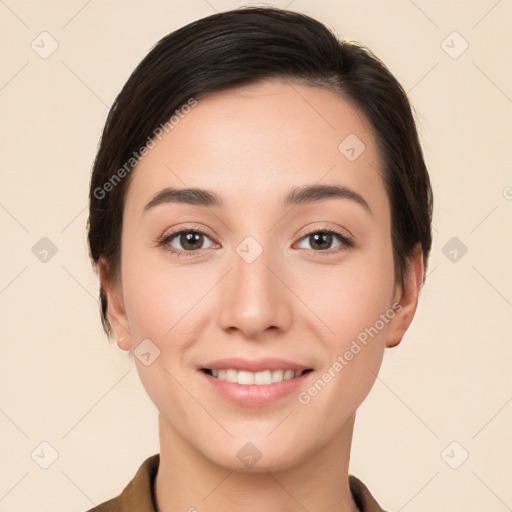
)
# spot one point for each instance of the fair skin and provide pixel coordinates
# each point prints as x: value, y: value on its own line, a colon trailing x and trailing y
x: 301, y: 301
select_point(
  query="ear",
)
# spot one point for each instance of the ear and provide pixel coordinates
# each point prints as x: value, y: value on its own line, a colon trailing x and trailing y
x: 115, y: 313
x: 407, y: 296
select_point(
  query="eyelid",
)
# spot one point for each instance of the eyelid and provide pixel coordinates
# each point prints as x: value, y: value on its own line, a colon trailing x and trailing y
x: 345, y: 233
x: 165, y: 239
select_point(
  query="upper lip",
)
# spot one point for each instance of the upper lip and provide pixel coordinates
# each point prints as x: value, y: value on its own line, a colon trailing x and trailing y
x: 257, y: 365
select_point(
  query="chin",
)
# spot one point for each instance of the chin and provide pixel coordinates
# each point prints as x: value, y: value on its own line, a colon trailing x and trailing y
x: 257, y: 457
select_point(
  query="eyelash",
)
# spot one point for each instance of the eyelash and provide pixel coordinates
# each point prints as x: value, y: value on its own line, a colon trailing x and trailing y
x: 346, y: 242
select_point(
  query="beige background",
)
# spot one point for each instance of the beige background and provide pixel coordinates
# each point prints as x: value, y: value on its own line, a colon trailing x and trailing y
x: 63, y: 383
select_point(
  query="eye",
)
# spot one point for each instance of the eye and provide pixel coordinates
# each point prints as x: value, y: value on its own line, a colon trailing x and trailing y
x: 322, y: 239
x: 190, y: 240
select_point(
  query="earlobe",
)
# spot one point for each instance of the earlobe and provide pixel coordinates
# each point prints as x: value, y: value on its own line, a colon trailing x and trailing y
x: 115, y: 313
x: 123, y: 344
x: 407, y: 296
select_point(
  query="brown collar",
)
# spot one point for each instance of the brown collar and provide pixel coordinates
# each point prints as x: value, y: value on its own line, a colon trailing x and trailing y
x: 138, y: 495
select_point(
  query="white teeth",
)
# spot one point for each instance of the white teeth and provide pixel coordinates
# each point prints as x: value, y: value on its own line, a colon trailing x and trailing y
x: 232, y: 376
x: 277, y: 375
x: 244, y: 377
x: 262, y: 378
x: 289, y: 374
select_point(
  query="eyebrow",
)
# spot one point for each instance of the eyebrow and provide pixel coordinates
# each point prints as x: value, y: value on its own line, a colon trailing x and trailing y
x: 307, y: 194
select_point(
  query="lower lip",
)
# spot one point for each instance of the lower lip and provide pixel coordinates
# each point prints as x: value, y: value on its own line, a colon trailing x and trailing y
x: 255, y: 395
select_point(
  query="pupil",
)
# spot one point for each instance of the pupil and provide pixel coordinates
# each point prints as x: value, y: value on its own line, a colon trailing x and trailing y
x: 323, y: 236
x: 190, y: 238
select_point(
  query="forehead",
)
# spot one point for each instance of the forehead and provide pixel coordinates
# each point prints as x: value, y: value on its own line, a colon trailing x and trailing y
x: 255, y: 142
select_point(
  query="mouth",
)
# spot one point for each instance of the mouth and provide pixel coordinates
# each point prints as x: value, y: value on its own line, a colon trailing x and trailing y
x: 255, y: 382
x: 260, y: 378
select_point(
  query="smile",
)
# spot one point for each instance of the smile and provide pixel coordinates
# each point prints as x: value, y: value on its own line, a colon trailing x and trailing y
x: 261, y: 378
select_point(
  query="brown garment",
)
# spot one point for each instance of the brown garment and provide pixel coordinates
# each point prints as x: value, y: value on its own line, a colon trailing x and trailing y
x: 138, y: 495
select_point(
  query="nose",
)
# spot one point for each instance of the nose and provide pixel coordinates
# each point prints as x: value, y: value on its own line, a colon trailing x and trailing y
x: 254, y: 298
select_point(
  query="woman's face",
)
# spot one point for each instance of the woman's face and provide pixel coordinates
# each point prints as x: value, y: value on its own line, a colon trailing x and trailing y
x: 256, y: 278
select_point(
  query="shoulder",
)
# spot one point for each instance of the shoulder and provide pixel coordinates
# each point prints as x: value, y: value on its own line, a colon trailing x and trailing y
x: 113, y: 505
x: 138, y: 495
x: 362, y: 496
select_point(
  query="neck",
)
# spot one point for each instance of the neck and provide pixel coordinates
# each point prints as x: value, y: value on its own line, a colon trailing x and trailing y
x: 186, y: 480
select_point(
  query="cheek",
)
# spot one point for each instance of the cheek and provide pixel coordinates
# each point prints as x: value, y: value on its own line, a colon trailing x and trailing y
x: 349, y: 297
x: 353, y: 312
x: 156, y: 293
x: 172, y: 307
x: 355, y: 349
x: 353, y: 307
x: 161, y: 303
x: 164, y: 306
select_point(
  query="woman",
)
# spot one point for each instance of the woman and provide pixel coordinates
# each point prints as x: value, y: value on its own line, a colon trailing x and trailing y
x: 260, y: 220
